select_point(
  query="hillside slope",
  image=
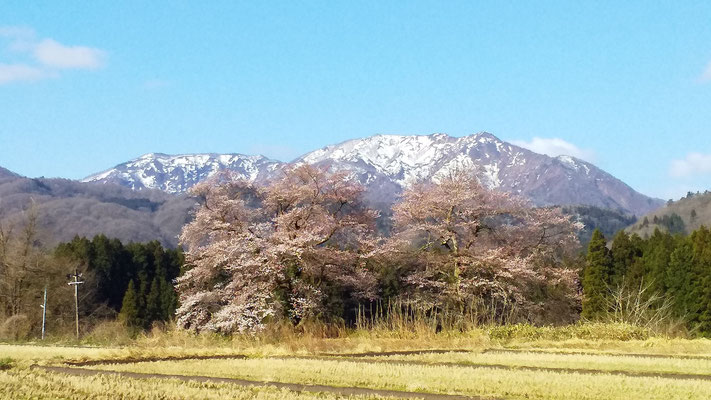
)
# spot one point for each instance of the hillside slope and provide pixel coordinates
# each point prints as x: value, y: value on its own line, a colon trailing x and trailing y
x: 67, y: 208
x: 682, y: 216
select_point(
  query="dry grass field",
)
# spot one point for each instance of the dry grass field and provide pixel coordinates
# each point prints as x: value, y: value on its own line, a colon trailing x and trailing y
x: 473, y: 365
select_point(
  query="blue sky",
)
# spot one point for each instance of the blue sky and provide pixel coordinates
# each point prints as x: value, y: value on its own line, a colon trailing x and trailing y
x: 627, y: 85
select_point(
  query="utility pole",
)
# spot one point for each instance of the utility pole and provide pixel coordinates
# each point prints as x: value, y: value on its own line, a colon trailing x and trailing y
x: 76, y: 282
x: 44, y: 311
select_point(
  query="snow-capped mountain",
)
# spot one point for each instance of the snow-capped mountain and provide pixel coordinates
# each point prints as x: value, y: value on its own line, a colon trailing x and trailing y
x: 386, y: 164
x: 177, y: 173
x: 408, y: 159
x: 391, y: 160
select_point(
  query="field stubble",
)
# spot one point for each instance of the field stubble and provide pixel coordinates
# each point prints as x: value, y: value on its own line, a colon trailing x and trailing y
x: 268, y: 359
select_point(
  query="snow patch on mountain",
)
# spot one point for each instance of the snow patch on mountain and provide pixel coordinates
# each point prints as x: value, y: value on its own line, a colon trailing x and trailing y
x: 388, y: 164
x: 177, y: 173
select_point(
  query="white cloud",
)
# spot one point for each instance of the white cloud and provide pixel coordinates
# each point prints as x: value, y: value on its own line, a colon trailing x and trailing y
x: 706, y: 75
x: 21, y: 39
x: 56, y: 55
x: 16, y: 32
x: 21, y: 72
x: 692, y: 164
x: 42, y: 58
x: 556, y: 147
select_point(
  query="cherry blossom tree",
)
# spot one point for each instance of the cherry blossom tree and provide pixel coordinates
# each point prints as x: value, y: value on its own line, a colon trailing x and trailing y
x: 285, y: 250
x: 460, y: 243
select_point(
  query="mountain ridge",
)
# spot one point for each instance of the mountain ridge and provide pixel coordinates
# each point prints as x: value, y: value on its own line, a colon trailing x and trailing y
x: 386, y: 164
x: 148, y: 171
x: 67, y: 208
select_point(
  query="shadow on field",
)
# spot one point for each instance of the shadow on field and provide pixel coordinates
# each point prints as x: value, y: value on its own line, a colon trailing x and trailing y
x: 153, y: 359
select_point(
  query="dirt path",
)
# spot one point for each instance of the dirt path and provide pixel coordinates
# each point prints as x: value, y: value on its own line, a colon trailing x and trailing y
x: 395, y: 353
x: 151, y: 359
x: 345, y: 391
x: 585, y: 371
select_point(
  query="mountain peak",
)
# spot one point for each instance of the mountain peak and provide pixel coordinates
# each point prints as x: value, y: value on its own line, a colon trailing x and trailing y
x: 486, y: 135
x: 177, y: 173
x: 386, y: 164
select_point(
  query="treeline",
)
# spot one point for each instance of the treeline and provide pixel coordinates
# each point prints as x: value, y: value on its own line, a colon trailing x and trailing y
x: 671, y: 269
x: 28, y: 267
x: 672, y: 223
x: 607, y: 221
x: 305, y: 246
x: 134, y: 280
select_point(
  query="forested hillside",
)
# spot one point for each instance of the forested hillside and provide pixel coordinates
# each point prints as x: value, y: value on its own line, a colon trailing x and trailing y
x: 607, y: 221
x: 67, y: 208
x: 661, y: 277
x: 682, y: 216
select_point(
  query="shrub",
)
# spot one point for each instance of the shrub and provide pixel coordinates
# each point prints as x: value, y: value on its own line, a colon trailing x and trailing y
x: 110, y: 333
x: 590, y: 331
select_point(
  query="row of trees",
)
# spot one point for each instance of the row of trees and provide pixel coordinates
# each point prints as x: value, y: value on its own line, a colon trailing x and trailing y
x: 671, y: 223
x: 304, y: 246
x: 107, y: 266
x: 134, y: 280
x: 675, y: 269
x: 23, y: 275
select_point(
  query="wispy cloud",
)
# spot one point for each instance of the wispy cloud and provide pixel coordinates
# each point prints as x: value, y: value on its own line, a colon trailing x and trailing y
x: 21, y: 72
x: 556, y: 147
x: 53, y: 54
x: 692, y: 164
x: 43, y: 58
x: 16, y: 32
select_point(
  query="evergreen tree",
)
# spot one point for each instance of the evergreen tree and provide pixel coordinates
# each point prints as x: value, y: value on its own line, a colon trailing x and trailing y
x: 154, y: 309
x: 635, y: 275
x: 680, y: 279
x: 596, y: 277
x: 624, y: 253
x: 130, y: 314
x: 168, y: 300
x: 656, y: 260
x: 701, y: 285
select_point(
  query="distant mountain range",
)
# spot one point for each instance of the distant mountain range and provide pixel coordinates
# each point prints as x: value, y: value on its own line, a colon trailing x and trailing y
x: 144, y: 199
x: 386, y: 164
x: 66, y: 208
